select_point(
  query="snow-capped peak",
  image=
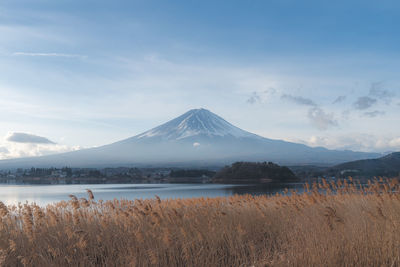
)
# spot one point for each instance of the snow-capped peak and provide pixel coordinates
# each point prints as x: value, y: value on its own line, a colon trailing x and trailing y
x: 195, y: 122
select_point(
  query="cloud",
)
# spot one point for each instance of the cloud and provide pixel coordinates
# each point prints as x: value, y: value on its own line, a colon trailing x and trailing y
x: 377, y: 91
x: 374, y: 114
x: 254, y: 98
x: 395, y: 142
x: 299, y: 100
x: 28, y: 138
x: 320, y: 119
x: 346, y: 114
x: 364, y: 102
x: 20, y: 150
x: 316, y: 115
x: 339, y: 99
x: 17, y: 145
x: 356, y: 142
x: 29, y: 54
x: 259, y: 97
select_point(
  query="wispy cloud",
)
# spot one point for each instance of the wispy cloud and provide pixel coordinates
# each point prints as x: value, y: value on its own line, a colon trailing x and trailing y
x: 376, y: 94
x: 27, y: 138
x: 30, y: 54
x: 379, y: 92
x: 261, y: 96
x: 356, y: 142
x: 254, y: 98
x: 322, y: 120
x: 17, y: 145
x: 374, y: 114
x: 339, y: 99
x: 364, y: 102
x: 316, y: 115
x: 299, y: 100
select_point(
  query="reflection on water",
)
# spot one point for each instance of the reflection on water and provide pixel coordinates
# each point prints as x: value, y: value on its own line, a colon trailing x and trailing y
x: 45, y: 194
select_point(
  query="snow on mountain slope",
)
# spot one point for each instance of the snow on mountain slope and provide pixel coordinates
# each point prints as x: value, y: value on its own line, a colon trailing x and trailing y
x: 193, y: 123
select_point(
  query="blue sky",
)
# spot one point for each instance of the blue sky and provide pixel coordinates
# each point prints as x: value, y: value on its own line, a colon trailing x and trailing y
x: 87, y: 73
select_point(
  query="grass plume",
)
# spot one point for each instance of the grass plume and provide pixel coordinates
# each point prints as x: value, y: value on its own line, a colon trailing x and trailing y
x: 331, y: 224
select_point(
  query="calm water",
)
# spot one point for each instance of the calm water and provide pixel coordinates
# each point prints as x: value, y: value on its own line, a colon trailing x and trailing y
x: 45, y: 194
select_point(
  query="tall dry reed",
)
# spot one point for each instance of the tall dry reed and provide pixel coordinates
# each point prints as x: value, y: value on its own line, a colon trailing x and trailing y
x: 331, y: 224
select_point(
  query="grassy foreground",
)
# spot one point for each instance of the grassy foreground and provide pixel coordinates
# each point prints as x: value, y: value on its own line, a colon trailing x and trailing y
x: 352, y: 227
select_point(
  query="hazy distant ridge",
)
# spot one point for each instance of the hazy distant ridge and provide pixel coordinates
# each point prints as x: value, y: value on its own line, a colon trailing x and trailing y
x: 388, y: 166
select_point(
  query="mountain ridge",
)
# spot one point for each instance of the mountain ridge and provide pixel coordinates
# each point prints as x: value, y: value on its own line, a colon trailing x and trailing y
x: 197, y: 137
x: 388, y: 166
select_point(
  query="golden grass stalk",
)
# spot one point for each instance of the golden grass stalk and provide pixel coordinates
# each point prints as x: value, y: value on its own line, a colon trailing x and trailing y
x: 339, y: 223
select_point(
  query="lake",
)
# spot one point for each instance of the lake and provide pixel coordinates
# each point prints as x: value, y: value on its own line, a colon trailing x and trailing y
x: 46, y: 194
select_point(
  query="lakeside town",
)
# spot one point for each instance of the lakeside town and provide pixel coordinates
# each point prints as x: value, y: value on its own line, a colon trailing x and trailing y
x: 68, y: 175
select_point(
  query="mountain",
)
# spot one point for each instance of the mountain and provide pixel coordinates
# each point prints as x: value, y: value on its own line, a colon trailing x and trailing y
x: 387, y: 166
x: 194, y: 123
x: 196, y: 138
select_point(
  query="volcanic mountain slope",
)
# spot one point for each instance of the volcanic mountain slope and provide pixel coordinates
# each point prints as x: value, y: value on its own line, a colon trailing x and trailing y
x: 198, y: 137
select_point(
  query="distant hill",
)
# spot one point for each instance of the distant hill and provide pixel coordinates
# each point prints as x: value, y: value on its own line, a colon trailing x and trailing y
x: 387, y: 166
x: 249, y: 172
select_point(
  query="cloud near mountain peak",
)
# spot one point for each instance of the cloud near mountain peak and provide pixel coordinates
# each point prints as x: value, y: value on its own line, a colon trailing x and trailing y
x: 17, y: 145
x: 28, y: 138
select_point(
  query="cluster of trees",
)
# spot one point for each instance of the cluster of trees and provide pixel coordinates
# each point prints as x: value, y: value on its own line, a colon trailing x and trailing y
x: 255, y: 172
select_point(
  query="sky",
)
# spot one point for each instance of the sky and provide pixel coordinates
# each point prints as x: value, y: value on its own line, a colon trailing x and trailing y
x: 79, y: 74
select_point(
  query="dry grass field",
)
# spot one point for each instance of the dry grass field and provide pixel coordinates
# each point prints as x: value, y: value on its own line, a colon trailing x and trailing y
x: 332, y: 224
